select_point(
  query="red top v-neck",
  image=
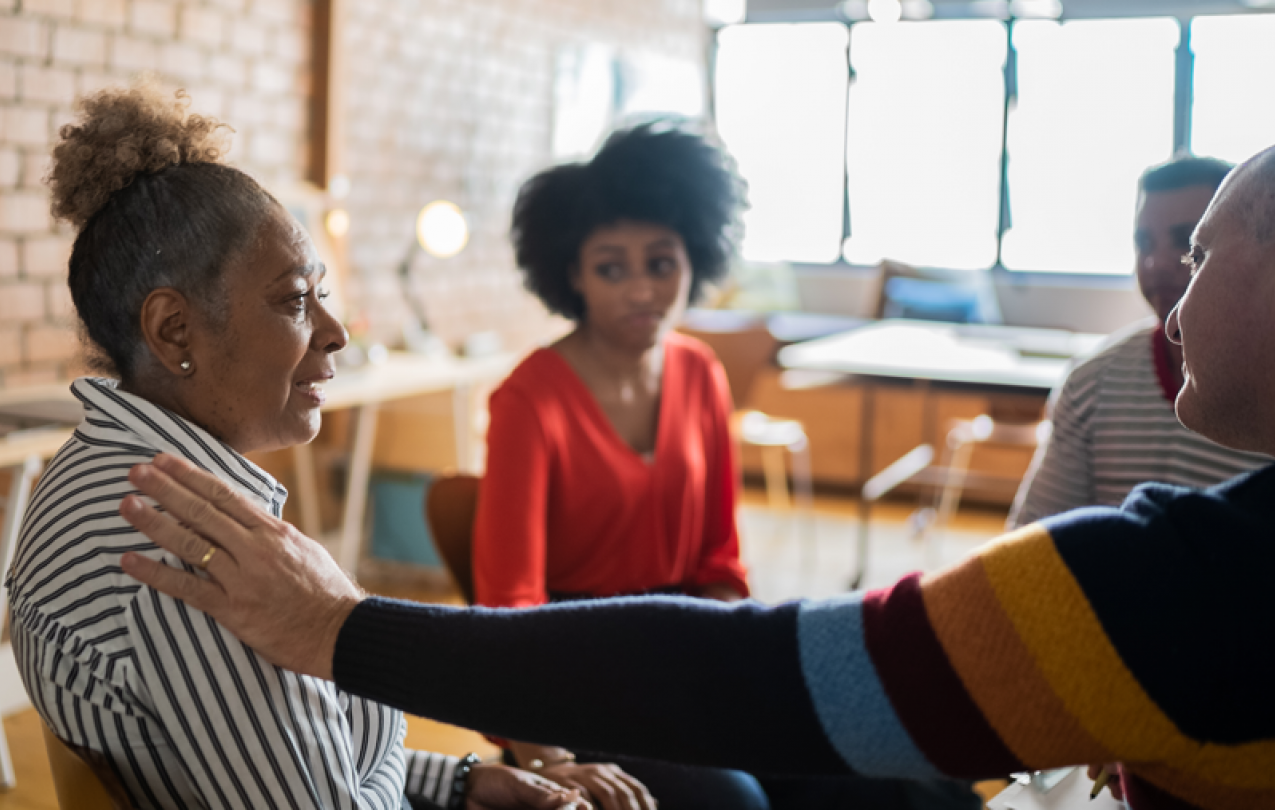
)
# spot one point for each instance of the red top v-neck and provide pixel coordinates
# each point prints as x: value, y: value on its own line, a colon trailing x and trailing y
x: 567, y: 507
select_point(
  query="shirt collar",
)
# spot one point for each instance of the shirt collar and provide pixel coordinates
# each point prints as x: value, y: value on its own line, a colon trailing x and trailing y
x: 165, y: 432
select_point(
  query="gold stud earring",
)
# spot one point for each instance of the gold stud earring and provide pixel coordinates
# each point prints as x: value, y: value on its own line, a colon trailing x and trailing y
x: 185, y: 365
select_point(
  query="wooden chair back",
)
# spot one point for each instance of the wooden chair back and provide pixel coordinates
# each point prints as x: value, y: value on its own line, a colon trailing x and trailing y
x: 449, y: 511
x: 81, y: 778
x: 743, y: 352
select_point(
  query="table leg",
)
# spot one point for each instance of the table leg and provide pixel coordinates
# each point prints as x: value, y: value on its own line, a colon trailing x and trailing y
x: 14, y: 507
x: 867, y: 423
x: 462, y: 427
x: 307, y: 490
x: 350, y: 547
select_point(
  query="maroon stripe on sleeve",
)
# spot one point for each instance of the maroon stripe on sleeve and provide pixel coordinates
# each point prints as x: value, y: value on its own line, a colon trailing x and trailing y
x: 925, y: 691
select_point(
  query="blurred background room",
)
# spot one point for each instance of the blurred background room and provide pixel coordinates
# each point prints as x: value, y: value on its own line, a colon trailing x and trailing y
x: 942, y: 204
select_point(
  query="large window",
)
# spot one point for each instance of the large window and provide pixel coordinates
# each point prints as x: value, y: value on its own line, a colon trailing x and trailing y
x: 781, y: 95
x: 1095, y: 108
x: 1234, y: 110
x: 913, y: 159
x: 924, y: 142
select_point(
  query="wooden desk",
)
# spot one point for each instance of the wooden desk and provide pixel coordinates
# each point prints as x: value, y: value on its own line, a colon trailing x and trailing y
x: 362, y: 390
x: 969, y: 354
x: 1000, y: 359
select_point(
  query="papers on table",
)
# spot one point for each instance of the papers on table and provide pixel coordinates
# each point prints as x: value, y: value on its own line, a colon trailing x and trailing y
x: 1069, y: 793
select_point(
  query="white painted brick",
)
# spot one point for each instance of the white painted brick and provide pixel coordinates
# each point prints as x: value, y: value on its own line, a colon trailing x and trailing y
x: 182, y: 60
x: 78, y: 46
x: 272, y: 78
x: 107, y: 13
x: 54, y: 85
x: 8, y: 82
x: 153, y: 17
x: 204, y: 25
x: 132, y: 54
x: 25, y: 125
x: 228, y: 70
x: 46, y: 256
x: 247, y: 37
x: 24, y: 37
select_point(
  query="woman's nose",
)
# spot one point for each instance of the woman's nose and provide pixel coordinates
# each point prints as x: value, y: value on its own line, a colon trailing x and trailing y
x: 1172, y: 330
x: 329, y: 335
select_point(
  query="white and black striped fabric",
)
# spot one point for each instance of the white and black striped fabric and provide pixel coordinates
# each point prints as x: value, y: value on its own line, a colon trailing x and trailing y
x: 1115, y: 428
x: 188, y: 716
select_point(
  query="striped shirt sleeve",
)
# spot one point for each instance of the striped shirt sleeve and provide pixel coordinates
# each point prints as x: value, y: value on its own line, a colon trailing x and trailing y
x: 252, y: 735
x: 1061, y: 475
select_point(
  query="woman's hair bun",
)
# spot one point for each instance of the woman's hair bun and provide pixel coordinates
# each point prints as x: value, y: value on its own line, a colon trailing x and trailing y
x: 121, y: 133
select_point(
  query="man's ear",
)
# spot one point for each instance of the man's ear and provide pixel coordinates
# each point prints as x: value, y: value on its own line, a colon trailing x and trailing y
x: 166, y: 328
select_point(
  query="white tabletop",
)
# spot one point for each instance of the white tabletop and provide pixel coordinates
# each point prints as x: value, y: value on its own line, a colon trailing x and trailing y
x: 975, y: 354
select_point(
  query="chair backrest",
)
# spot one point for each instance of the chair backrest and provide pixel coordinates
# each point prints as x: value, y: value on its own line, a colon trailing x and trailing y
x: 743, y: 352
x: 449, y: 511
x: 81, y: 778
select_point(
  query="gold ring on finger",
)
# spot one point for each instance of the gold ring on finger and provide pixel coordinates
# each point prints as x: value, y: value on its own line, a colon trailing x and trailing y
x: 208, y: 555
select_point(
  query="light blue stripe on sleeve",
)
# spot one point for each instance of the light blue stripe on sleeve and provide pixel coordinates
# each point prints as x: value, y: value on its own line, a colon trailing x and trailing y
x: 851, y: 703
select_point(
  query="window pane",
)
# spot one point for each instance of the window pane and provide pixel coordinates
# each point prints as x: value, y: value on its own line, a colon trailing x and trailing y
x: 924, y: 143
x: 1233, y: 116
x: 781, y: 93
x: 1095, y: 109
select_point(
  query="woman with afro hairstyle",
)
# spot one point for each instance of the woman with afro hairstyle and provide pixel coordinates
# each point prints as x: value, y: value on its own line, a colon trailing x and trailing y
x: 610, y: 466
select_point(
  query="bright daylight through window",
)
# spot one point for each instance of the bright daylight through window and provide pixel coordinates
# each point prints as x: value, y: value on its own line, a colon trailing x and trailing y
x: 925, y: 142
x: 1095, y: 108
x: 1094, y: 105
x: 781, y: 95
x: 1234, y: 67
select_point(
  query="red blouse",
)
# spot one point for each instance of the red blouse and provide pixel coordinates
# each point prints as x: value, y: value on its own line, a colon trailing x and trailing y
x: 567, y: 507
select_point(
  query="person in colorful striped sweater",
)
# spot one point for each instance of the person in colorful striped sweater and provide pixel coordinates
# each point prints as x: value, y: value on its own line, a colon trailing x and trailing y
x: 1139, y: 634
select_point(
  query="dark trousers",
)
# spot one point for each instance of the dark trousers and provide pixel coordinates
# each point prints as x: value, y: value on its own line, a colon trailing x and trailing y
x: 686, y: 787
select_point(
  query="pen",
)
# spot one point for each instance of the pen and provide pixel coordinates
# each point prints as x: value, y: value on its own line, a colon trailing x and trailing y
x: 1104, y: 776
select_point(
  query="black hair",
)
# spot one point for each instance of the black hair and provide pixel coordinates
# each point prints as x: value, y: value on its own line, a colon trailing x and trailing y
x: 1185, y: 171
x: 656, y: 173
x: 141, y: 181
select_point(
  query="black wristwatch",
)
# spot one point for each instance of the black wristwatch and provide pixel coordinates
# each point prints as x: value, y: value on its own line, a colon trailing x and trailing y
x: 460, y: 781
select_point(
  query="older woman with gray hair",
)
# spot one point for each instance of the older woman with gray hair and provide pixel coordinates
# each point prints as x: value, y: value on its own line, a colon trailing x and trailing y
x: 203, y: 300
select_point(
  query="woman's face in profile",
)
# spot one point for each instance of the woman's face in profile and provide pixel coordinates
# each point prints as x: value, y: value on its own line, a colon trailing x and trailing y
x: 635, y: 278
x: 260, y: 370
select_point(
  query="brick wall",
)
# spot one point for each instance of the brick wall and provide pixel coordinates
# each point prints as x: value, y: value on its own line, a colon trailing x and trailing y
x: 246, y: 61
x: 444, y: 99
x: 453, y: 99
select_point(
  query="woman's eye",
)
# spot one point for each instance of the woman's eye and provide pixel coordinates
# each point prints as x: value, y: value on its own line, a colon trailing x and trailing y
x: 610, y: 271
x: 662, y: 267
x: 1194, y: 258
x: 322, y: 293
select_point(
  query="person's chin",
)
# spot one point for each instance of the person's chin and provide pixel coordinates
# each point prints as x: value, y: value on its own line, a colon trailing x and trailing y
x: 1196, y: 415
x: 305, y: 426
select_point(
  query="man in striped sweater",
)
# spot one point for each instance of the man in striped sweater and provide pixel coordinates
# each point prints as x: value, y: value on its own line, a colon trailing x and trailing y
x: 1138, y: 635
x: 1114, y: 426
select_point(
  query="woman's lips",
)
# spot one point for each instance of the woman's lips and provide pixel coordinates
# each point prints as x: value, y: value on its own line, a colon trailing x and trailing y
x: 313, y: 390
x: 645, y: 320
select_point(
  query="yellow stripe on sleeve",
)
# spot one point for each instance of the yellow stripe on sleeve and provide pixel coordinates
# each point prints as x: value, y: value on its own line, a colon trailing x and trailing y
x: 1064, y: 636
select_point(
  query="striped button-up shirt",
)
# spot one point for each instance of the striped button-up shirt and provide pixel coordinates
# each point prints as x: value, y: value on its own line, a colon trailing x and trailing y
x: 1115, y: 428
x: 186, y: 715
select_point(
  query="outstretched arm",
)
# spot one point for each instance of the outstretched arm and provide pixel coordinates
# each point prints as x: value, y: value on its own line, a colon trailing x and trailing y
x: 1040, y: 651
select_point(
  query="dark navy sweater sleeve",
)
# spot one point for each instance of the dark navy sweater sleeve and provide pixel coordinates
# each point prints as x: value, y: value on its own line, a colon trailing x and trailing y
x: 734, y: 698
